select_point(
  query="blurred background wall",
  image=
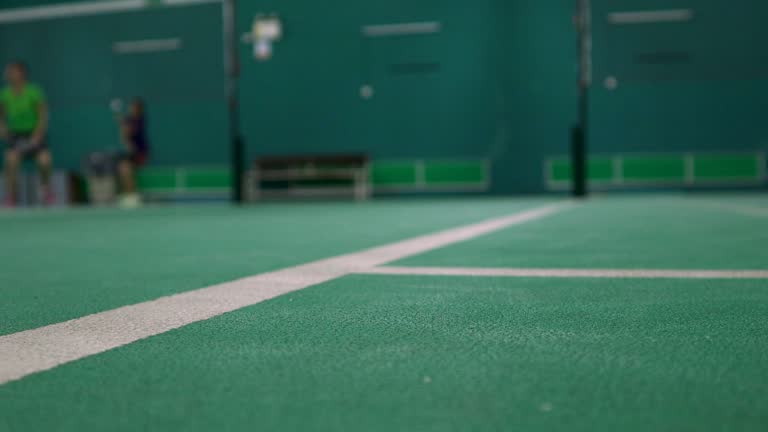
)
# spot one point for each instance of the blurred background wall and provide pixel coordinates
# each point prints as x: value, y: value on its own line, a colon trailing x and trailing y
x: 497, y: 82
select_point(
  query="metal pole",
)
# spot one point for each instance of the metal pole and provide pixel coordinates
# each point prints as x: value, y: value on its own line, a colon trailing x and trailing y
x: 580, y: 135
x: 232, y: 66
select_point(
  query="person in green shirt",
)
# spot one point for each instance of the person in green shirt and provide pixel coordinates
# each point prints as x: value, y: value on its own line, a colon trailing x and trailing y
x: 23, y: 126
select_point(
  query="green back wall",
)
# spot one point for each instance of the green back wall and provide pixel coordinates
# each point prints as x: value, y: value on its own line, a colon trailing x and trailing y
x: 497, y: 82
x: 692, y: 86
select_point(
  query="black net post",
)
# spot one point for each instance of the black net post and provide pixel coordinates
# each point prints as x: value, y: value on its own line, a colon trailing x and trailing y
x: 579, y: 134
x: 232, y: 67
x: 578, y: 162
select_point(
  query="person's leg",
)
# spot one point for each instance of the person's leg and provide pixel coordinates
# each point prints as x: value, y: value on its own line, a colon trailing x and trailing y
x: 126, y: 170
x: 11, y: 174
x: 127, y: 179
x: 45, y: 166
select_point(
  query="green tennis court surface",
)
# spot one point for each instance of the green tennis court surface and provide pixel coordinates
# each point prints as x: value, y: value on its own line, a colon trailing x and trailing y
x: 400, y: 352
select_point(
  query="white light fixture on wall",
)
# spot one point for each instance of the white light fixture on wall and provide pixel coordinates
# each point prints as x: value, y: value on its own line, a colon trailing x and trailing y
x: 266, y: 30
x: 651, y: 16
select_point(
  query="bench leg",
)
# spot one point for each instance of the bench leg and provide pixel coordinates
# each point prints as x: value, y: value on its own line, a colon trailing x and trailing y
x: 362, y: 191
x: 252, y: 186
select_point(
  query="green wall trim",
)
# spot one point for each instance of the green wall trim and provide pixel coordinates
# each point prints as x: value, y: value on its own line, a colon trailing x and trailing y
x: 393, y: 173
x: 184, y: 179
x: 210, y: 178
x: 726, y: 167
x: 386, y: 176
x: 157, y: 179
x: 431, y: 175
x: 680, y: 169
x: 452, y: 172
x: 600, y: 169
x: 654, y: 168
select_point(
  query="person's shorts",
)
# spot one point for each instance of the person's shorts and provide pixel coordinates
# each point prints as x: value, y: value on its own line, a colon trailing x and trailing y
x: 22, y: 144
x: 137, y: 159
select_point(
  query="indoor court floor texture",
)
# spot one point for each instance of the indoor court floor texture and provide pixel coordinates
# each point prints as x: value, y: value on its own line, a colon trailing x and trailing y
x: 620, y: 313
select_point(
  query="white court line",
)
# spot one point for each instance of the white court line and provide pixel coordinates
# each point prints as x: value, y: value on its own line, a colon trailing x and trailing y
x: 741, y: 209
x: 569, y: 273
x: 40, y: 349
x: 749, y: 211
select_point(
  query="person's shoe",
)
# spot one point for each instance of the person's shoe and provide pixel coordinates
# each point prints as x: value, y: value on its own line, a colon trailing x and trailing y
x: 130, y: 201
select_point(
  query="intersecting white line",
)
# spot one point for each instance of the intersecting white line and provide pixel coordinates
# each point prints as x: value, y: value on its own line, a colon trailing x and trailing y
x: 570, y: 273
